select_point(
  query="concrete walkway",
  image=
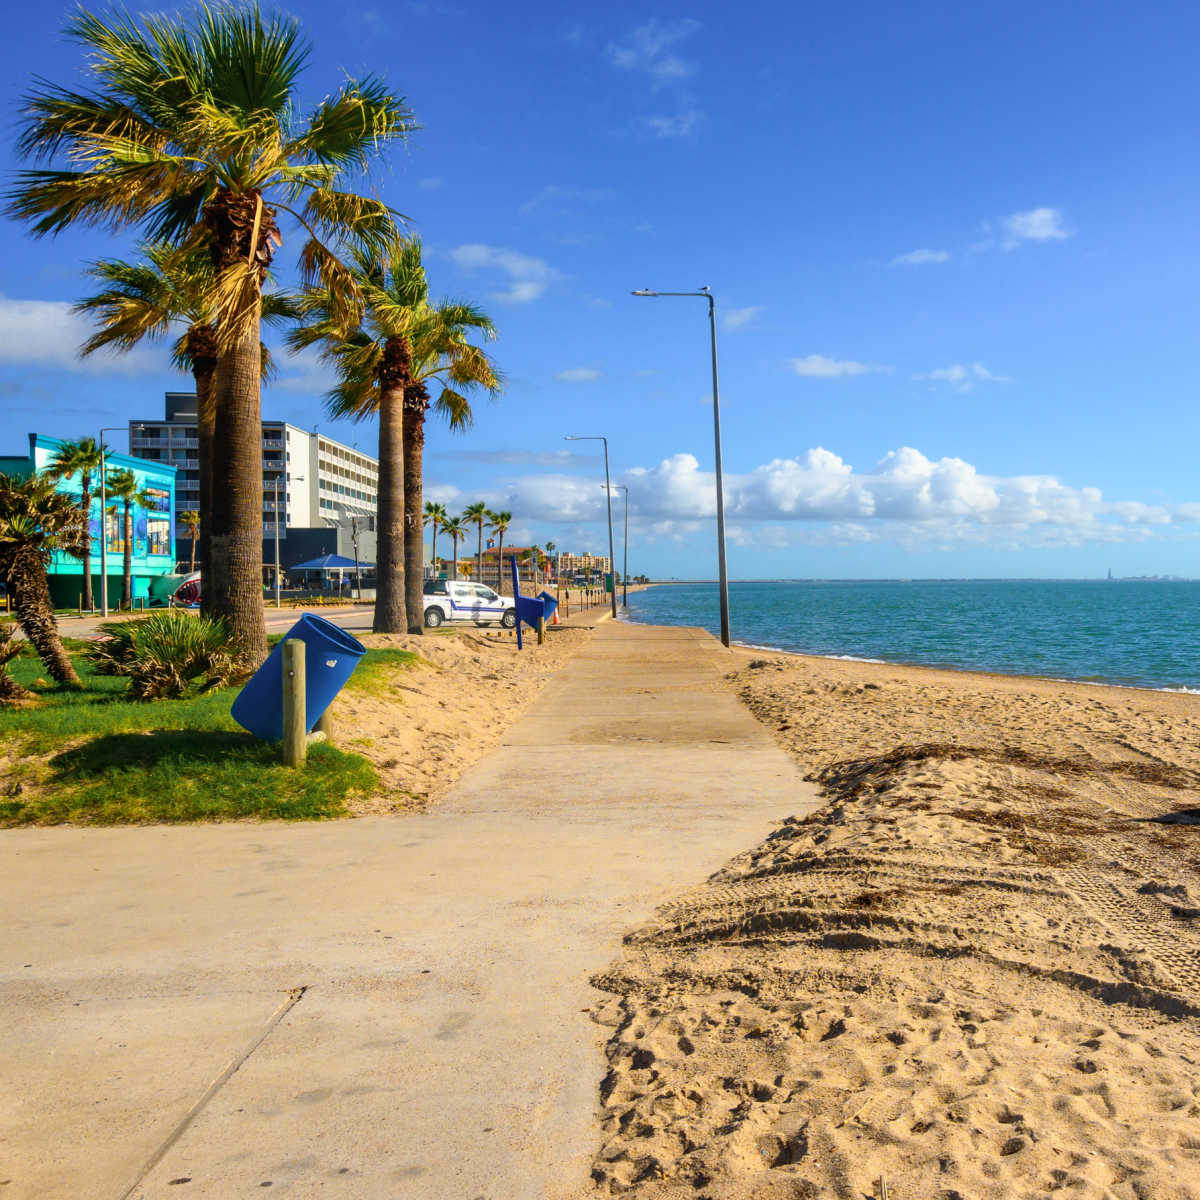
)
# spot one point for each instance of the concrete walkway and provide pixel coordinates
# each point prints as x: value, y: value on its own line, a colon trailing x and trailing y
x: 387, y: 1007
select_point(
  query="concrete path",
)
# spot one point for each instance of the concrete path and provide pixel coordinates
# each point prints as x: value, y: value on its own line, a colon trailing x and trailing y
x: 388, y: 1007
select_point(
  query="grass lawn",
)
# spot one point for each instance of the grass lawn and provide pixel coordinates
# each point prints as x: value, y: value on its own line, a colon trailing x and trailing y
x: 93, y: 757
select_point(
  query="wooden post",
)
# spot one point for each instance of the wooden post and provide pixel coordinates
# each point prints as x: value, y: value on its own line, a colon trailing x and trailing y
x: 295, y: 742
x: 541, y: 630
x: 325, y: 724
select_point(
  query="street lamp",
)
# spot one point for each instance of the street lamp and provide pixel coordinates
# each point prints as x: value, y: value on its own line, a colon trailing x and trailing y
x: 612, y: 556
x: 722, y: 577
x: 104, y: 515
x: 625, y: 568
x: 277, y: 481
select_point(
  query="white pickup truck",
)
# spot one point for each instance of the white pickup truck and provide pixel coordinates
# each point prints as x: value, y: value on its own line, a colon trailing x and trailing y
x: 458, y: 600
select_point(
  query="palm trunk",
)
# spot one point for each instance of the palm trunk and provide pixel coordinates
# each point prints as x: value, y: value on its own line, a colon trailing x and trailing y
x: 433, y: 546
x: 202, y: 351
x: 36, y: 615
x: 127, y: 582
x: 390, y: 600
x: 241, y: 229
x: 192, y: 564
x: 233, y: 588
x: 479, y: 552
x: 85, y: 504
x: 416, y: 400
x: 454, y: 544
x: 500, y: 565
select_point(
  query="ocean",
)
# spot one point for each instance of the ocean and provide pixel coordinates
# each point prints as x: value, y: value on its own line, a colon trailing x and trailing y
x: 1137, y: 633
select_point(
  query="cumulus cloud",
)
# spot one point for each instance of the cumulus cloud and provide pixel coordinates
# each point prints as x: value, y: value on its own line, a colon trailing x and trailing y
x: 46, y: 333
x: 529, y: 276
x: 1036, y: 225
x: 579, y: 375
x: 817, y: 366
x: 963, y: 377
x: 818, y: 498
x: 919, y: 258
x: 736, y: 318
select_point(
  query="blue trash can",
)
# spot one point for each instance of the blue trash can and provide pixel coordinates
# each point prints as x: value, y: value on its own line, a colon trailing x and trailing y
x: 330, y: 656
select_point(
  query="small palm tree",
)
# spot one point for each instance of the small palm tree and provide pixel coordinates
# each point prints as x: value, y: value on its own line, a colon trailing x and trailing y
x: 80, y: 458
x: 193, y: 133
x: 191, y: 521
x: 36, y: 519
x: 454, y: 527
x: 550, y: 549
x: 435, y: 515
x: 123, y: 486
x: 499, y: 522
x: 476, y: 514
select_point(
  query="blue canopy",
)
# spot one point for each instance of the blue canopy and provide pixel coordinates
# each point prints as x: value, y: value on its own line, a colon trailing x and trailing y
x: 330, y: 562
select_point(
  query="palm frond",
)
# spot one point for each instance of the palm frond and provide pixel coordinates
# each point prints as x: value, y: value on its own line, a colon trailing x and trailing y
x: 346, y: 128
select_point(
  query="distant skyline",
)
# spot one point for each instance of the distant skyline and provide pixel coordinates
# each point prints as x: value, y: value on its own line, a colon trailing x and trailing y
x: 952, y: 248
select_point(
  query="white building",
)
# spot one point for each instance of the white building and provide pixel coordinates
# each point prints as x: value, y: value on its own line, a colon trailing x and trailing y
x: 313, y: 479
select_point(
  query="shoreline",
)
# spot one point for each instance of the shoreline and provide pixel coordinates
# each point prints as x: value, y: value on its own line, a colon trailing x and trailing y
x: 768, y: 648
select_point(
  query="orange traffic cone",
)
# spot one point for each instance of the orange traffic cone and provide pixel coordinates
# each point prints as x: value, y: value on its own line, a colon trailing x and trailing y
x: 554, y: 616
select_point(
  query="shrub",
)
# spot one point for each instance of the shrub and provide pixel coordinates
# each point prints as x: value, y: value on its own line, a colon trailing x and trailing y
x: 166, y: 655
x: 11, y: 692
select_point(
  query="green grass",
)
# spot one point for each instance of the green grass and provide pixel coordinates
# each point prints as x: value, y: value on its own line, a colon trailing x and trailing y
x: 91, y: 756
x: 377, y: 666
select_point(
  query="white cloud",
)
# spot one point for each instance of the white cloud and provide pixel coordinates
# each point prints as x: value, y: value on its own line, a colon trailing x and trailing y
x: 579, y: 375
x: 674, y: 125
x: 1036, y: 225
x: 817, y: 366
x: 819, y: 499
x: 650, y: 51
x: 563, y: 199
x: 645, y: 50
x: 530, y: 276
x: 431, y: 182
x: 963, y: 377
x: 47, y: 333
x: 919, y: 258
x: 736, y: 318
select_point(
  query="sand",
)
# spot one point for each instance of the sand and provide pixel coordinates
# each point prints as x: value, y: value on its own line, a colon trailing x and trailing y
x: 973, y: 975
x: 423, y: 726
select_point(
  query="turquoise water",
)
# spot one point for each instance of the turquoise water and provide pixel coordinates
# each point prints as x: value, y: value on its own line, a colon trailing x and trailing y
x: 1140, y: 634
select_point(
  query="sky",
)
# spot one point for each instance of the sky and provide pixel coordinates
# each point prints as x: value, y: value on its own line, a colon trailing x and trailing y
x: 953, y: 250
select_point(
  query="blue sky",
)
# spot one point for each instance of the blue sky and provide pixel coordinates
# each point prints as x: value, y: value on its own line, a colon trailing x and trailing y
x: 953, y: 249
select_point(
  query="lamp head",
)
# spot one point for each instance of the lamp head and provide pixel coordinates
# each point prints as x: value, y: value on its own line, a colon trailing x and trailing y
x: 644, y: 292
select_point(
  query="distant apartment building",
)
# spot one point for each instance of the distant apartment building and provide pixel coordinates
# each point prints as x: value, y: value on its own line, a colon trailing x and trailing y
x: 570, y: 565
x: 310, y: 479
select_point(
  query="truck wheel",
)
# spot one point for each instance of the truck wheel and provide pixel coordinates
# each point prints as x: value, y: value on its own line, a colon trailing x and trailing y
x: 433, y: 618
x: 509, y: 619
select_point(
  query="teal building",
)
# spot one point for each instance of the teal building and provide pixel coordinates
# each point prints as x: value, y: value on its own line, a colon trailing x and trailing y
x: 153, y: 524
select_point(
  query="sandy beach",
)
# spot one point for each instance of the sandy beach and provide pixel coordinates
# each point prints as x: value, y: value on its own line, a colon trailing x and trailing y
x: 973, y: 975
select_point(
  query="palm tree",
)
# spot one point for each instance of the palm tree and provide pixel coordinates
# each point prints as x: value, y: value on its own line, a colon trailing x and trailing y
x: 385, y: 365
x: 457, y: 530
x: 498, y: 522
x: 477, y: 513
x: 435, y: 515
x: 80, y: 458
x: 550, y: 549
x: 193, y: 134
x: 123, y: 486
x: 36, y: 519
x: 173, y: 285
x: 191, y: 520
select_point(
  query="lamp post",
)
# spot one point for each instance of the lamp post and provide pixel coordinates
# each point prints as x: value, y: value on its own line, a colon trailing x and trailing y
x: 279, y: 479
x: 723, y: 580
x: 625, y: 567
x: 612, y: 556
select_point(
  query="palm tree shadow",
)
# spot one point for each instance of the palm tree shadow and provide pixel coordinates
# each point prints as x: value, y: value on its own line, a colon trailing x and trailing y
x: 182, y: 748
x: 1181, y: 816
